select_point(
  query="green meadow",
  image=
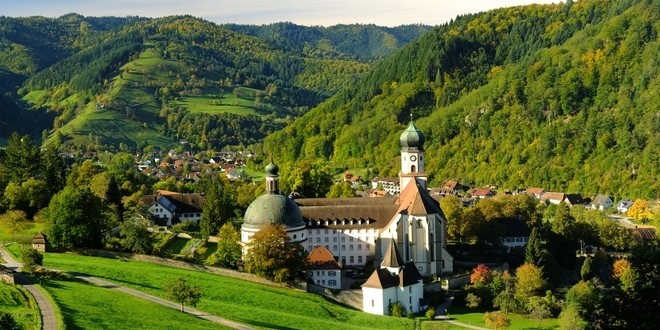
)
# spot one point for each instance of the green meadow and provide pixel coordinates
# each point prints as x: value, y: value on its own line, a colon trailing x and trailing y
x: 257, y: 305
x: 14, y: 300
x: 85, y: 306
x: 476, y: 317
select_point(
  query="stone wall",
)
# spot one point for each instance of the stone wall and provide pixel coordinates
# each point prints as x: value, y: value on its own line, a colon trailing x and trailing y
x: 7, y: 276
x: 351, y: 298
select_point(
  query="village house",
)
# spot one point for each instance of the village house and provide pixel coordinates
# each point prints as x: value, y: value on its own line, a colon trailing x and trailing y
x: 624, y: 205
x: 168, y: 208
x: 552, y: 198
x: 481, y: 193
x: 516, y: 233
x: 389, y: 184
x: 601, y: 202
x: 535, y: 192
x: 574, y: 200
x: 452, y: 187
x: 324, y: 270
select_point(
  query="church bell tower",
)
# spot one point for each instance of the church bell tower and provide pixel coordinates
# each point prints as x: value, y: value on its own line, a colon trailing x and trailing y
x: 412, y: 156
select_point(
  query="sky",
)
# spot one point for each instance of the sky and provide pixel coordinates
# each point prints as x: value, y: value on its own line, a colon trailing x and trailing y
x: 302, y: 12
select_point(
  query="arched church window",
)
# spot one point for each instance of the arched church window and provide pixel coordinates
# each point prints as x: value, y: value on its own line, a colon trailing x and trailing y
x: 413, y: 169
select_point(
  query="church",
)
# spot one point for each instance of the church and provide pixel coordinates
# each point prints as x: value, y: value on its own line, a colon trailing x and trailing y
x: 404, y: 236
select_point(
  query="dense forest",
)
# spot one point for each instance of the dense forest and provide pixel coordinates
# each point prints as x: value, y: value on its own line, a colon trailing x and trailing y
x: 105, y: 82
x: 362, y: 42
x: 560, y: 96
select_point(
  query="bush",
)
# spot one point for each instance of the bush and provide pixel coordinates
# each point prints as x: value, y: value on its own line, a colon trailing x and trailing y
x: 31, y: 258
x: 8, y: 322
x: 430, y: 313
x: 396, y: 309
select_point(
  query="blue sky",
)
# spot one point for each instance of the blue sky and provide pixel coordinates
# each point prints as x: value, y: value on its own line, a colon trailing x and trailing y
x: 303, y: 12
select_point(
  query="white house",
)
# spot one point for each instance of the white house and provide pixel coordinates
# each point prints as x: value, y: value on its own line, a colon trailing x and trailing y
x: 391, y: 185
x: 324, y: 270
x: 624, y: 205
x: 395, y: 281
x: 169, y: 208
x: 601, y: 202
x: 516, y: 233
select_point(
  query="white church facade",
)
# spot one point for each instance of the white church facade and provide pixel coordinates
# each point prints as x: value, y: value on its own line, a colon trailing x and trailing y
x: 360, y: 230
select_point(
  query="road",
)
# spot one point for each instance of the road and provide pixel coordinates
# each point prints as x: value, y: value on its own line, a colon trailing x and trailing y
x: 48, y: 319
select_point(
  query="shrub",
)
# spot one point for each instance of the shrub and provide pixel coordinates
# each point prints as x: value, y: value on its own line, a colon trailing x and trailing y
x: 496, y: 320
x: 31, y: 258
x: 8, y: 322
x: 430, y: 313
x: 396, y: 309
x: 472, y: 300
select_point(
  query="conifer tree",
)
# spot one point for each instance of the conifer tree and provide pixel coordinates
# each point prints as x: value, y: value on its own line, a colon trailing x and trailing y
x: 586, y: 271
x: 534, y: 254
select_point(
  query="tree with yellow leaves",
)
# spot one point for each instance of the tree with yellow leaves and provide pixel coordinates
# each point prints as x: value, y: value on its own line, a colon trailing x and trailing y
x: 640, y: 210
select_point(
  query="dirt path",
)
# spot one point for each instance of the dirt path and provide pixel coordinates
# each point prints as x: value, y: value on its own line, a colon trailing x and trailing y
x: 105, y: 284
x: 48, y: 319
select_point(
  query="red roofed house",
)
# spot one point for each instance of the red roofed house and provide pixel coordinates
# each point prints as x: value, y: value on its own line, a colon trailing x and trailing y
x: 482, y: 193
x: 323, y: 268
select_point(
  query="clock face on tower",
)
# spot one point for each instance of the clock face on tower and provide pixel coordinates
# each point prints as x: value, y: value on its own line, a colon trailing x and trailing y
x: 413, y: 158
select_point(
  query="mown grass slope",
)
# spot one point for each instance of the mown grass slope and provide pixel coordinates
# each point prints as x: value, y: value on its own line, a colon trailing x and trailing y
x: 246, y: 302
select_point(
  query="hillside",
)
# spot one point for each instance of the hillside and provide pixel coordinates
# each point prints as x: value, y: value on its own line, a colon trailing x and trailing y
x: 135, y: 82
x: 362, y: 42
x: 560, y: 96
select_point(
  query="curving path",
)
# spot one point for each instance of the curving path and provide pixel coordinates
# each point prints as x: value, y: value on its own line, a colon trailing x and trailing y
x: 48, y: 319
x: 203, y: 315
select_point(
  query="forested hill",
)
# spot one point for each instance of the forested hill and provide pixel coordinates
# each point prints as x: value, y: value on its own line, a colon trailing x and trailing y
x: 560, y: 96
x: 364, y: 42
x: 106, y: 82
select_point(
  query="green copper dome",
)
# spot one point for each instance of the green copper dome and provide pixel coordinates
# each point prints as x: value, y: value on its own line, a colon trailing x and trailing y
x: 273, y: 209
x: 412, y: 139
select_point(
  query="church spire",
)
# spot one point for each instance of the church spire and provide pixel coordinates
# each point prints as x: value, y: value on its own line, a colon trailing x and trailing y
x: 392, y: 258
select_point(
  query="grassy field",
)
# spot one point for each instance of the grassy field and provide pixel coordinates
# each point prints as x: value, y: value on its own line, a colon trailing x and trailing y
x: 14, y: 301
x: 85, y: 306
x: 257, y: 305
x: 476, y: 317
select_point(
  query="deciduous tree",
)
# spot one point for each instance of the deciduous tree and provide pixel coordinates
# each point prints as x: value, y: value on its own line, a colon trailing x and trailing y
x: 271, y: 254
x: 180, y: 291
x: 75, y: 219
x: 529, y: 281
x: 342, y: 189
x: 229, y: 250
x: 639, y: 210
x: 480, y: 275
x: 452, y: 207
x: 135, y: 235
x: 14, y: 222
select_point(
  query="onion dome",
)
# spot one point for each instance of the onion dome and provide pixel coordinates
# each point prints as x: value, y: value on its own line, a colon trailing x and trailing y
x: 412, y: 139
x: 272, y: 169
